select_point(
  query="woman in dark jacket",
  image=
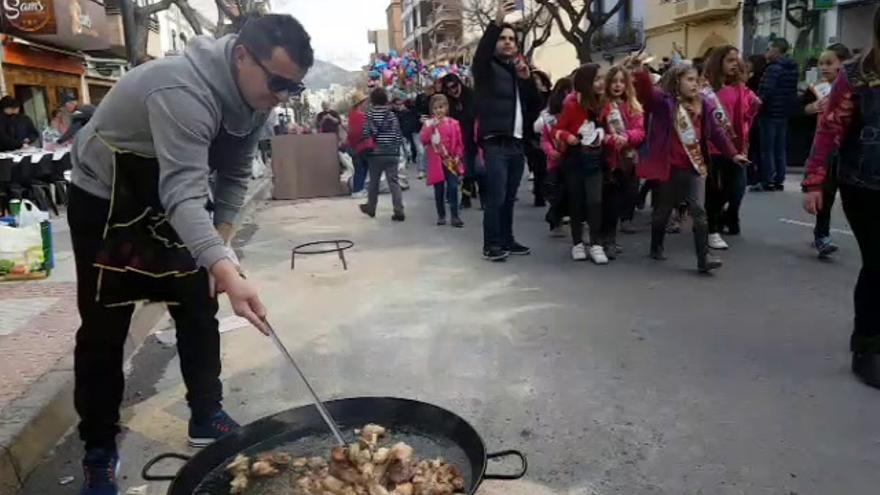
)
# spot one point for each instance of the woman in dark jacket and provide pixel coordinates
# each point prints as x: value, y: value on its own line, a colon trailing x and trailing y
x: 849, y: 125
x: 16, y: 128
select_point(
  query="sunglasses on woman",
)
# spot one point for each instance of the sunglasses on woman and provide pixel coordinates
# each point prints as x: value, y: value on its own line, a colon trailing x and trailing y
x: 276, y: 83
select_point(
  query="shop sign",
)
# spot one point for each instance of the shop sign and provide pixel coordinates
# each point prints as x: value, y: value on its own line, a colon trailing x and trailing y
x: 824, y: 4
x: 29, y: 16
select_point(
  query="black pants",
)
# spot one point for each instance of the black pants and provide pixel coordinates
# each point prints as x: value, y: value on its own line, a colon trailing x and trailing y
x: 829, y: 194
x: 99, y: 380
x: 582, y: 174
x: 685, y: 185
x: 619, y: 195
x: 538, y: 165
x: 860, y: 206
x: 554, y: 191
x: 725, y: 185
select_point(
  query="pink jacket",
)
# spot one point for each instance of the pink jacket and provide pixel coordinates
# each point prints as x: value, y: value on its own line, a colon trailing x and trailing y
x: 450, y: 138
x: 742, y: 106
x: 635, y: 133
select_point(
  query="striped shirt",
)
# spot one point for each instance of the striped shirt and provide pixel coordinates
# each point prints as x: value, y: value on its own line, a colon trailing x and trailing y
x: 383, y: 127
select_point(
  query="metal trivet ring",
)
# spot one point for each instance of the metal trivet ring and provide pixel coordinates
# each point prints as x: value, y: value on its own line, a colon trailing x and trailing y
x: 335, y: 246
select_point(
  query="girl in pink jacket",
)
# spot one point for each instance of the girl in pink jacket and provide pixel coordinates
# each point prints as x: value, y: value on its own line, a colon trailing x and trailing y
x: 441, y: 136
x: 624, y: 121
x: 736, y: 109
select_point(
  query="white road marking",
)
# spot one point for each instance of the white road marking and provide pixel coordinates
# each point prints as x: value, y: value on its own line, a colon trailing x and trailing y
x: 810, y: 225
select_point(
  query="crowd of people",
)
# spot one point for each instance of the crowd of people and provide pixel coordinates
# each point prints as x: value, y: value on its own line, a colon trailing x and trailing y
x: 694, y: 134
x: 17, y: 129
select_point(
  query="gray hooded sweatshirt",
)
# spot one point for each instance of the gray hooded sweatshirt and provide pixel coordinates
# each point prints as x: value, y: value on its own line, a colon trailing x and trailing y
x: 186, y: 112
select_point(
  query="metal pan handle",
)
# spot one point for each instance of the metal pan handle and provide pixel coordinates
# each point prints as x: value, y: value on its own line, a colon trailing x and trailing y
x: 145, y: 472
x: 508, y: 453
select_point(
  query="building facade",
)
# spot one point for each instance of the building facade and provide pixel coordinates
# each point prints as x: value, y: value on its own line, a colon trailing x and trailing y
x: 434, y: 29
x: 394, y: 14
x: 691, y: 27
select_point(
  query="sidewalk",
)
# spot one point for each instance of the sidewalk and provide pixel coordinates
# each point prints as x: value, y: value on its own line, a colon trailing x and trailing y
x: 37, y: 338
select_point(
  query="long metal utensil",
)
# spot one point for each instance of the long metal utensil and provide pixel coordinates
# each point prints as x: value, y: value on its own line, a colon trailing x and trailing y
x: 320, y: 405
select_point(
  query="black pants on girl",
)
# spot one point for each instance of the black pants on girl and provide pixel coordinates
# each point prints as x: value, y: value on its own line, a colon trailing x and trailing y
x: 582, y: 174
x: 684, y: 185
x: 619, y: 196
x: 538, y: 165
x: 725, y: 185
x: 829, y: 194
x: 860, y: 206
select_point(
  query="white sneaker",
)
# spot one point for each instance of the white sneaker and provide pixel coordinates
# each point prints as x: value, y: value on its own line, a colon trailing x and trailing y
x: 579, y: 252
x: 597, y: 254
x: 360, y: 194
x: 716, y: 242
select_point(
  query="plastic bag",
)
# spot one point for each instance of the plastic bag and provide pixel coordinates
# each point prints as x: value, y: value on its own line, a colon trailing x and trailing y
x: 30, y: 214
x: 21, y: 251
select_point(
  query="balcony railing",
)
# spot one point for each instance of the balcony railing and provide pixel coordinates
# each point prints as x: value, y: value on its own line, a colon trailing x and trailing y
x: 620, y: 37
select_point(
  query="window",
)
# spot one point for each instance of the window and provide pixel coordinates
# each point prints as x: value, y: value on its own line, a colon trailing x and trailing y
x: 35, y: 103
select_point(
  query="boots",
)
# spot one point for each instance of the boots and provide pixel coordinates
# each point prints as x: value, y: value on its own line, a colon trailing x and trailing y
x: 866, y: 359
x: 657, y: 236
x: 866, y: 367
x: 706, y: 262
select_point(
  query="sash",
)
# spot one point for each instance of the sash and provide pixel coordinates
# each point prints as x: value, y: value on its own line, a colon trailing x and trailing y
x: 822, y: 89
x: 720, y: 114
x: 687, y: 133
x: 452, y: 163
x: 616, y: 122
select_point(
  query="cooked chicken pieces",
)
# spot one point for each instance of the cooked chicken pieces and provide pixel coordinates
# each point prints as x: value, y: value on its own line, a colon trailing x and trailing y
x: 362, y: 468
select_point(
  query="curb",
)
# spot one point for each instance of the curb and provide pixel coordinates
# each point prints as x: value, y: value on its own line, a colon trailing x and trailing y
x: 31, y: 426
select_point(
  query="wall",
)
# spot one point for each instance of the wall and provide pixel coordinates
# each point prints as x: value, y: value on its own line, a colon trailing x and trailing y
x: 856, y: 26
x: 395, y: 25
x: 556, y: 57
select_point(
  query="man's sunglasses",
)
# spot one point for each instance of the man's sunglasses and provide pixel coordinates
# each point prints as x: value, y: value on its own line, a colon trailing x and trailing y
x: 276, y: 83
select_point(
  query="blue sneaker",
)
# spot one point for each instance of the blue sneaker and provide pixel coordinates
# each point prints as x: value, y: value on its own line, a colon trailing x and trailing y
x: 100, y: 467
x: 825, y: 247
x: 203, y: 434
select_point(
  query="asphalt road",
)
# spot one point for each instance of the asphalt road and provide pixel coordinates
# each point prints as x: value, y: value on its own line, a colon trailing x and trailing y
x: 634, y: 378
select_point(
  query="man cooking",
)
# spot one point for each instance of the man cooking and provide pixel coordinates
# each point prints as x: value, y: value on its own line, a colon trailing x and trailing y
x: 146, y: 224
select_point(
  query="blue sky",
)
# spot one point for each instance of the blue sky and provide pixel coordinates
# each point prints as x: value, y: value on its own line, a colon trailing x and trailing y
x: 338, y: 27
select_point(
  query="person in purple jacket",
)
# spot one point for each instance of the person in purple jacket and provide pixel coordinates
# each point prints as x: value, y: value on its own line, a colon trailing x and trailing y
x: 678, y: 152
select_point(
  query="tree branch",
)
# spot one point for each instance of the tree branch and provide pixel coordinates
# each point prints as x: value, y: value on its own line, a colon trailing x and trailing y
x: 225, y: 9
x: 155, y: 8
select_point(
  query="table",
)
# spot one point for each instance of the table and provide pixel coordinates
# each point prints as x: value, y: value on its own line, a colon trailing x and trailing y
x: 21, y: 167
x: 20, y: 170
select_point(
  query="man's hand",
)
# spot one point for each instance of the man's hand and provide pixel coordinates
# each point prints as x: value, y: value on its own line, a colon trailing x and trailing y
x: 813, y: 202
x: 621, y: 140
x: 741, y: 160
x: 572, y: 140
x: 822, y: 105
x: 242, y: 294
x: 505, y: 8
x: 522, y: 68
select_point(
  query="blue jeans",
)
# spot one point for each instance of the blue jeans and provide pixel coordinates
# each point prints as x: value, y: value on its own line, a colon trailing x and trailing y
x: 504, y: 170
x: 360, y: 172
x: 447, y: 191
x: 774, y: 144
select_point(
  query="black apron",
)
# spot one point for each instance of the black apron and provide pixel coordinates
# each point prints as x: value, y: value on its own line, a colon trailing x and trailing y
x: 143, y: 258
